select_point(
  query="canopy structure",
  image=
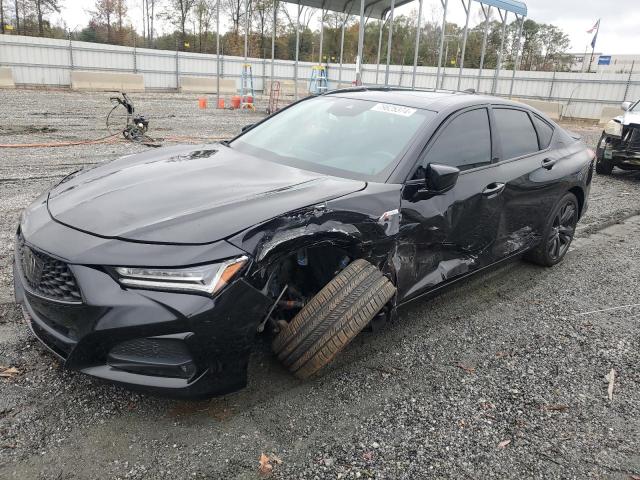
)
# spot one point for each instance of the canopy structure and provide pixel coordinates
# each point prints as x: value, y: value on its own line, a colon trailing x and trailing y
x: 373, y: 8
x: 384, y: 10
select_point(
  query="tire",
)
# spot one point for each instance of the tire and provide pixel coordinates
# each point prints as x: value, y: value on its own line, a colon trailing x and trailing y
x: 332, y: 318
x: 560, y: 228
x: 603, y: 166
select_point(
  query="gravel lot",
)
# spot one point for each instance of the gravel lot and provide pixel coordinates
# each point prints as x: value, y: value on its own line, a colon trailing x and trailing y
x: 500, y: 377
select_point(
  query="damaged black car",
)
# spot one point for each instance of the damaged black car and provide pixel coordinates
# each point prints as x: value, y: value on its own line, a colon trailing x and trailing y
x: 159, y: 271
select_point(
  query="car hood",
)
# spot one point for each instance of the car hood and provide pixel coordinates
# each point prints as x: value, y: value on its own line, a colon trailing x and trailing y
x: 187, y: 194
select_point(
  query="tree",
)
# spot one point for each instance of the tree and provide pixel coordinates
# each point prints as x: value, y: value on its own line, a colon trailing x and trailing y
x: 104, y: 12
x: 203, y: 14
x: 17, y: 4
x: 43, y: 7
x: 178, y: 13
x: 120, y: 9
x: 148, y: 16
x: 233, y: 8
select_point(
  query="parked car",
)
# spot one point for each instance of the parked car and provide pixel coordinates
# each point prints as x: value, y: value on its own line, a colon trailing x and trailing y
x: 619, y: 145
x: 158, y: 270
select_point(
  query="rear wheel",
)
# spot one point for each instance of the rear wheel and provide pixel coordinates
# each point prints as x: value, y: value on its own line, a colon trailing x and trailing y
x: 332, y: 318
x: 558, y: 233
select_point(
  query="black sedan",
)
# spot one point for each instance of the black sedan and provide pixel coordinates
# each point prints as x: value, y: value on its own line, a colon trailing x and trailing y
x: 158, y: 270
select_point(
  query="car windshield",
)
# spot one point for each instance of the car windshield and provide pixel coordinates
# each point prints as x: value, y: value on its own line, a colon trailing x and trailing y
x: 339, y: 136
x: 635, y: 107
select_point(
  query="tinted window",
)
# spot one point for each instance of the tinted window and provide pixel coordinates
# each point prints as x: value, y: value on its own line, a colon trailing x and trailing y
x: 516, y: 132
x: 545, y: 132
x: 464, y: 143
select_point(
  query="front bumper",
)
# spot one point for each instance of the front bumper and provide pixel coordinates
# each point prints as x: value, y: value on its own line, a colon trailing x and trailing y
x: 625, y: 150
x: 214, y: 335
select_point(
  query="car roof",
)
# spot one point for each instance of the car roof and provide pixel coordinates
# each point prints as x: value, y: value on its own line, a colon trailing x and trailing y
x: 434, y: 100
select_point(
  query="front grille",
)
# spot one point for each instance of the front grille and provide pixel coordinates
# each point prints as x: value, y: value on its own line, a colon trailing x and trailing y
x: 46, y: 276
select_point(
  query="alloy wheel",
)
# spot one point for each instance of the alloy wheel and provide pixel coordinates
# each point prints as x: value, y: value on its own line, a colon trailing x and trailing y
x: 562, y: 231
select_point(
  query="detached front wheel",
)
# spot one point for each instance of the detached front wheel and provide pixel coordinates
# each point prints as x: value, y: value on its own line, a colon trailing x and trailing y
x: 332, y: 318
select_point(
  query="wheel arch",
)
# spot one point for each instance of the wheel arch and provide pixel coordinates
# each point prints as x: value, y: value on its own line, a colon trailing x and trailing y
x: 579, y: 193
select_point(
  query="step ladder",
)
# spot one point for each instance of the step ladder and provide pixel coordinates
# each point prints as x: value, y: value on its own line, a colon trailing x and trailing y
x: 246, y: 88
x: 318, y: 83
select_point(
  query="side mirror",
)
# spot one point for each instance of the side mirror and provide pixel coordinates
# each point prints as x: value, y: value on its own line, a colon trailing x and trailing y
x: 247, y: 127
x: 441, y: 178
x: 625, y: 106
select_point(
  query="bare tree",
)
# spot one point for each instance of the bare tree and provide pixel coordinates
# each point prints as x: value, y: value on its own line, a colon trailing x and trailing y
x: 104, y: 12
x: 203, y: 14
x: 17, y: 4
x: 43, y: 7
x: 148, y: 13
x: 234, y: 8
x: 262, y: 12
x: 178, y: 13
x: 1, y: 16
x: 120, y: 8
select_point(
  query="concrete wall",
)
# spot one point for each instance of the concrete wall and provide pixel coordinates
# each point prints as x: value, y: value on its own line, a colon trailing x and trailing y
x: 207, y: 85
x: 104, y: 81
x: 552, y: 109
x: 608, y: 113
x: 6, y: 78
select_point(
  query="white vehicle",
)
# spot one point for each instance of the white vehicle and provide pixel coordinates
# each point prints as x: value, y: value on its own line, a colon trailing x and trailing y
x: 619, y: 145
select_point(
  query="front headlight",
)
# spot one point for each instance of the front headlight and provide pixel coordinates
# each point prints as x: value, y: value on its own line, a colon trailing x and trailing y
x: 209, y: 278
x: 613, y: 128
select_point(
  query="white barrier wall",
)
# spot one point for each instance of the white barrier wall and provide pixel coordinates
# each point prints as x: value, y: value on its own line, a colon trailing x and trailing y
x: 44, y: 61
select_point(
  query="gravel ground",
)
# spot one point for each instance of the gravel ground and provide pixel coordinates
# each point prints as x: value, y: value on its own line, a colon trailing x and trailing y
x: 500, y: 377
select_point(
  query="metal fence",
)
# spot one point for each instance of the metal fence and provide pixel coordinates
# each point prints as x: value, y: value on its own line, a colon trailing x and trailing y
x: 48, y: 62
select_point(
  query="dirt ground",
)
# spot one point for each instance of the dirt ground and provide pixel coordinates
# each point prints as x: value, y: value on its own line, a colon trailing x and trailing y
x: 502, y: 376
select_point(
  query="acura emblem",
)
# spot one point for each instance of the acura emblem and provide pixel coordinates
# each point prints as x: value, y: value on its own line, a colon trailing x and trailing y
x: 32, y: 266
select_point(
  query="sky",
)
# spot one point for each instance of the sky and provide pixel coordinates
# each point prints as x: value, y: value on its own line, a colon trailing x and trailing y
x: 619, y: 19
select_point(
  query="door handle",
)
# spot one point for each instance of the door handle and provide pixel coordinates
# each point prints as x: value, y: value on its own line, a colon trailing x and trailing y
x: 548, y: 163
x: 493, y: 189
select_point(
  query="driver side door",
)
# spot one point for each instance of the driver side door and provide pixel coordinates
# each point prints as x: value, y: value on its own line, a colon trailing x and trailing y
x: 449, y: 235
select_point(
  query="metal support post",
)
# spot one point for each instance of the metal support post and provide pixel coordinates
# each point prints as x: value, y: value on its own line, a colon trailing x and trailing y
x: 341, y: 49
x: 217, y: 53
x: 445, y: 3
x: 360, y: 45
x: 321, y: 36
x: 499, y: 62
x: 516, y: 61
x: 246, y: 31
x: 626, y: 89
x: 273, y: 39
x: 382, y: 22
x: 487, y: 14
x: 295, y: 66
x: 386, y: 72
x: 553, y: 79
x: 417, y: 48
x: 467, y: 9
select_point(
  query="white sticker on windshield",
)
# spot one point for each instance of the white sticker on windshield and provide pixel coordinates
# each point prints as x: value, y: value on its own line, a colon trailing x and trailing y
x: 394, y: 109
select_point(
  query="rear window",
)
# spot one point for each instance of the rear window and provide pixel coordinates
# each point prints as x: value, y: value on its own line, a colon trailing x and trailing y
x: 545, y: 132
x: 516, y: 131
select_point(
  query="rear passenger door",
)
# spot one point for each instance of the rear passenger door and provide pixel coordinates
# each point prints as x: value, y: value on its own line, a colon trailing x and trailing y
x: 530, y: 172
